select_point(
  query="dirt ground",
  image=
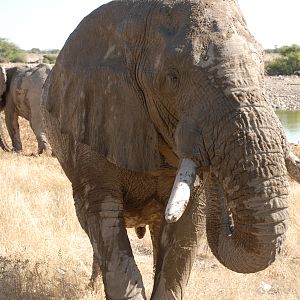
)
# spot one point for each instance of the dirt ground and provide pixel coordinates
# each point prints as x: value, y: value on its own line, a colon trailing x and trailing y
x: 283, y: 91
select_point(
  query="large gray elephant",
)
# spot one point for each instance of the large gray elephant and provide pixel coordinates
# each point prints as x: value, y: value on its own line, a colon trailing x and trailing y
x: 160, y: 104
x: 21, y: 96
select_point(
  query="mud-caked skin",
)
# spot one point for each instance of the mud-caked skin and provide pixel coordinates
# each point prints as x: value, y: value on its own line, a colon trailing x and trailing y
x: 141, y: 87
x: 21, y: 96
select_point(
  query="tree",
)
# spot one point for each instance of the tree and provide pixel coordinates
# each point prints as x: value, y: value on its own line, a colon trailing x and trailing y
x: 287, y: 64
x: 9, y: 52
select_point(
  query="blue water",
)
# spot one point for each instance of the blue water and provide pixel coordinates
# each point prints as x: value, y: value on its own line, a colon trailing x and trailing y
x: 290, y: 120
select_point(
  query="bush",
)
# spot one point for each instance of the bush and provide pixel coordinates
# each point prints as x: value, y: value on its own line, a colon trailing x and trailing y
x: 286, y: 50
x: 9, y: 52
x: 49, y: 58
x: 287, y: 64
x: 35, y: 50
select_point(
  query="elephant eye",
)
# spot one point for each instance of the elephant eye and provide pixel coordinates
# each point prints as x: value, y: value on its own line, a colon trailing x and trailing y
x: 172, y: 78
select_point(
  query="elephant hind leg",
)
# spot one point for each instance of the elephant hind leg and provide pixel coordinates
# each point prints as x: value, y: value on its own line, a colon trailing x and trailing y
x: 11, y: 120
x: 36, y: 126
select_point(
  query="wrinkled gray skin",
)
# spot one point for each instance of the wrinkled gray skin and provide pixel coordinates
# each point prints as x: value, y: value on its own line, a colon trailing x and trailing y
x: 141, y: 85
x: 21, y: 96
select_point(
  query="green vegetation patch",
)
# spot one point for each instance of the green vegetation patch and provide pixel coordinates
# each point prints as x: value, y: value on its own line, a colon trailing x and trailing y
x: 9, y: 52
x: 287, y: 64
x: 49, y: 58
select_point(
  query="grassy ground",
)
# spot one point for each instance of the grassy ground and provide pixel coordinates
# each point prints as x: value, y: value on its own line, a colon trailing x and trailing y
x: 44, y: 254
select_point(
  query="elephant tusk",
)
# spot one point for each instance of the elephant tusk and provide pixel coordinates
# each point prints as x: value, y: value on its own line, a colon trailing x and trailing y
x: 181, y: 191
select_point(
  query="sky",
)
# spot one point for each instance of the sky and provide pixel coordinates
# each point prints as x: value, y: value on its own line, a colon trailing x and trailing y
x: 46, y: 24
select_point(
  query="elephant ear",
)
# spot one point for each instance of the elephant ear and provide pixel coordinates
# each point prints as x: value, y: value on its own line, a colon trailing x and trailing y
x: 2, y: 81
x: 93, y: 93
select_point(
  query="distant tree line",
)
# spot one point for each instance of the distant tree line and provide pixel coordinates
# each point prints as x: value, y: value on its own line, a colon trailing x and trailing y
x: 287, y: 63
x: 10, y: 52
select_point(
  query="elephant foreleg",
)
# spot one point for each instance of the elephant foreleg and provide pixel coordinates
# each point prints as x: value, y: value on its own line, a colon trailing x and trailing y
x: 112, y: 255
x: 11, y: 120
x: 101, y: 207
x: 121, y: 277
x: 177, y: 251
x: 81, y: 215
x: 96, y: 276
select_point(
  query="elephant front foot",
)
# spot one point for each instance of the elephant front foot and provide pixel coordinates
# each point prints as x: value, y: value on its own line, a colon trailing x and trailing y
x: 96, y: 283
x: 44, y: 149
x: 17, y: 147
x: 17, y: 151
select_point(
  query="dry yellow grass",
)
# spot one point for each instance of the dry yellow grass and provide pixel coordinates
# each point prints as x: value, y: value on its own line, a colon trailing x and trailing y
x: 44, y: 254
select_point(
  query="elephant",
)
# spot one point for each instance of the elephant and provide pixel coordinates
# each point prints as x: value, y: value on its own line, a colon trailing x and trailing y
x: 22, y: 97
x: 3, y: 144
x: 157, y: 113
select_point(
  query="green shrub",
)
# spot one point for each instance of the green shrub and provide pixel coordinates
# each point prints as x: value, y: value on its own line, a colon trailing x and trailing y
x: 9, y: 52
x: 49, y: 58
x: 286, y: 50
x: 287, y: 64
x: 35, y: 50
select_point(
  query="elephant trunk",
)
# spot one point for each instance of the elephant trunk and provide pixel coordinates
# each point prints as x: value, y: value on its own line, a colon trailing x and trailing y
x: 245, y: 238
x: 247, y: 194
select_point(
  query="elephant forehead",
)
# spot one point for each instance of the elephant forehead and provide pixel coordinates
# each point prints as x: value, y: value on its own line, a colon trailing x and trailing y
x: 195, y: 29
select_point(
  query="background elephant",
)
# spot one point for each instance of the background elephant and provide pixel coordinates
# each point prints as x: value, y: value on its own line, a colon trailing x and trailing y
x: 3, y: 144
x: 162, y: 102
x: 22, y: 97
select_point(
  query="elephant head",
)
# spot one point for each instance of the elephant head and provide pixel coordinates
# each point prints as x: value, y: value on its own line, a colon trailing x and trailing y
x: 188, y: 75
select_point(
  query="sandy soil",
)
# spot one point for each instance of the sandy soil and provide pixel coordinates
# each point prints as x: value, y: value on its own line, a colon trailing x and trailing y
x: 283, y: 91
